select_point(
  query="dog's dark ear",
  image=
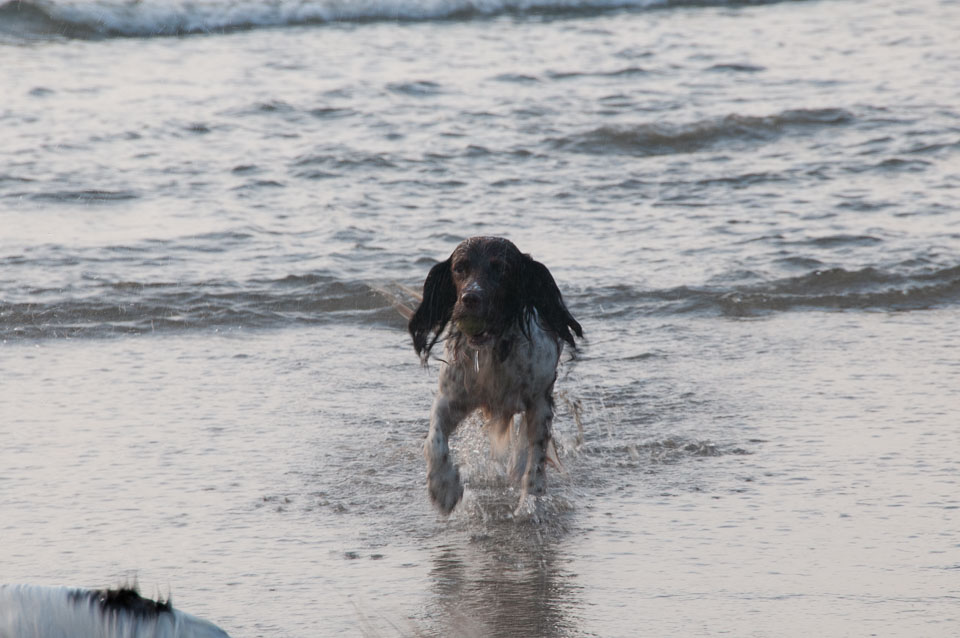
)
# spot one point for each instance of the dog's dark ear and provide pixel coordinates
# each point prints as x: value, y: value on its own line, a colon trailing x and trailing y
x: 435, y: 310
x: 541, y: 292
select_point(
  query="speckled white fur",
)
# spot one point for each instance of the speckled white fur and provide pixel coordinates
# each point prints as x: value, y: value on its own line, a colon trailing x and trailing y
x: 32, y: 611
x: 474, y: 379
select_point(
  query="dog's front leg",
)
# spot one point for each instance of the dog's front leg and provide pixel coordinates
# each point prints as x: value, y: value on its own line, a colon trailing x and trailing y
x: 443, y: 477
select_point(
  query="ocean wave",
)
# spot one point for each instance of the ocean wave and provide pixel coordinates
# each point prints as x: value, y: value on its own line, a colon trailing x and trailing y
x: 130, y: 307
x: 664, y: 139
x: 840, y: 289
x: 822, y: 289
x: 133, y: 308
x: 150, y: 18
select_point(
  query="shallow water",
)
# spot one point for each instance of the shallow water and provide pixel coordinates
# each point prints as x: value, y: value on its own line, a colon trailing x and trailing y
x: 751, y: 208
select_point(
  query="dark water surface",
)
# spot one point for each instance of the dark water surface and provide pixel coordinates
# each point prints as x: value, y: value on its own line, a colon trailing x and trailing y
x: 752, y: 208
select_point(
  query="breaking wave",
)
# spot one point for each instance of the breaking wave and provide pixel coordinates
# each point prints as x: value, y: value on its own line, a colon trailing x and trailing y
x: 124, y: 308
x: 149, y: 18
x: 827, y: 289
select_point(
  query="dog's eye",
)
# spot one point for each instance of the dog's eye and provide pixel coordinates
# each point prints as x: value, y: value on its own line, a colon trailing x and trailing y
x: 497, y: 267
x: 460, y: 267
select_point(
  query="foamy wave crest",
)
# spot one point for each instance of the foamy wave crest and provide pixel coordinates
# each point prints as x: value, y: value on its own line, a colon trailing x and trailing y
x: 147, y: 18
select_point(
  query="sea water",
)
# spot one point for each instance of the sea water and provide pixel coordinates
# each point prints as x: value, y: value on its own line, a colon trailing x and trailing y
x: 751, y: 208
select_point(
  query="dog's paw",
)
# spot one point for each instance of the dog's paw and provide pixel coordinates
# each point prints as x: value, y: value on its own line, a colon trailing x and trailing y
x: 535, y: 480
x: 445, y: 487
x: 530, y: 508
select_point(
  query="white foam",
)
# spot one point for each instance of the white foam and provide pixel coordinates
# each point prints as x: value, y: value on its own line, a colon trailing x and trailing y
x: 161, y: 17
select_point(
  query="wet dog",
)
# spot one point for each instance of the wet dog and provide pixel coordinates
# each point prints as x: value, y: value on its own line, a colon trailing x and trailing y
x: 505, y: 324
x: 31, y: 611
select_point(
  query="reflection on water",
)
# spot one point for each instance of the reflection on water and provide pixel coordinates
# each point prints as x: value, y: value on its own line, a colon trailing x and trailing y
x: 508, y: 580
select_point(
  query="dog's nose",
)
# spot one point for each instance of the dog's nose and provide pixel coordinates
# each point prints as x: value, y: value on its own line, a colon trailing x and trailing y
x: 470, y: 299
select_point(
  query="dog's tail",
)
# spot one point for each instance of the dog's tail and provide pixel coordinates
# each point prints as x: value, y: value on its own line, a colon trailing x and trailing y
x: 397, y: 300
x: 499, y: 430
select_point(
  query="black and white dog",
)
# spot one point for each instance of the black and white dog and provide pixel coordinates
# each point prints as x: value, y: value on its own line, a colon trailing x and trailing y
x: 507, y: 326
x: 31, y: 611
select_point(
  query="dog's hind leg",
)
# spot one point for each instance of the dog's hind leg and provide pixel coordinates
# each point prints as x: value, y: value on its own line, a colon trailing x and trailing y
x: 538, y: 420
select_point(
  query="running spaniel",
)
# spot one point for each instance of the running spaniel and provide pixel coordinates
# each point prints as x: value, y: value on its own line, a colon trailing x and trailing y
x: 508, y: 323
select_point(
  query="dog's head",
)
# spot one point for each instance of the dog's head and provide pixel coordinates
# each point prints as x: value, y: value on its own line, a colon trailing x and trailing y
x: 486, y: 287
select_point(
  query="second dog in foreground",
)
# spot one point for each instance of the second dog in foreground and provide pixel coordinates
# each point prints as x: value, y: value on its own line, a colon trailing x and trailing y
x: 505, y: 323
x: 32, y: 611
